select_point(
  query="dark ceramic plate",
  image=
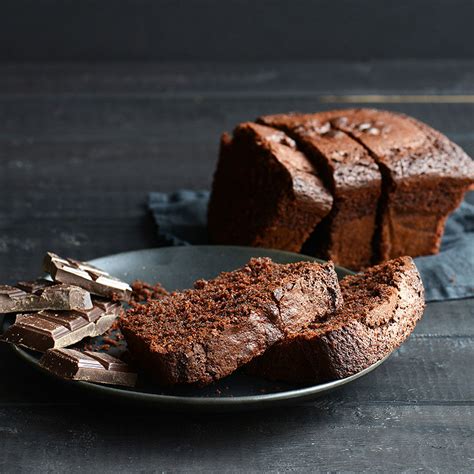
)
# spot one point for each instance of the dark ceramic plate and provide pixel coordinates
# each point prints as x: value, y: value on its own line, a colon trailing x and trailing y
x: 178, y: 268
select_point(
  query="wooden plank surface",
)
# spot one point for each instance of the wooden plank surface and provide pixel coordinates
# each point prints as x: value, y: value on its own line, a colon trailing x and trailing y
x: 327, y: 438
x: 98, y: 30
x: 259, y: 78
x: 80, y: 148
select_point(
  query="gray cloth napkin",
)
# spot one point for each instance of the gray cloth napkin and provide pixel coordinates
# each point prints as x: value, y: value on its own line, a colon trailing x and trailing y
x: 181, y: 220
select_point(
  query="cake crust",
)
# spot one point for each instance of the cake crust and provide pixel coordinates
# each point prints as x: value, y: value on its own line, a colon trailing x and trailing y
x: 265, y: 192
x: 393, y: 179
x: 346, y: 234
x: 425, y: 178
x: 381, y: 308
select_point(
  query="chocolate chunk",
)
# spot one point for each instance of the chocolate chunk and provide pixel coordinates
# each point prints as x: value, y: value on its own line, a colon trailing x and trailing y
x: 55, y: 329
x: 89, y: 366
x: 42, y: 294
x: 98, y: 282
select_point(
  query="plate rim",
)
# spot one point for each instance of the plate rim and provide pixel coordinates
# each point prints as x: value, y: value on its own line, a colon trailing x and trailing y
x: 131, y: 394
x: 246, y: 401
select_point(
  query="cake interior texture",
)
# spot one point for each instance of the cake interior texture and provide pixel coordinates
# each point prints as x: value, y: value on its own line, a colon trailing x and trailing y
x: 346, y: 234
x: 266, y: 192
x: 203, y: 334
x: 380, y: 310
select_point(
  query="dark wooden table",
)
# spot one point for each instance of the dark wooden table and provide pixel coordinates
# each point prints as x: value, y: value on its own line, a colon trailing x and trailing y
x: 82, y: 145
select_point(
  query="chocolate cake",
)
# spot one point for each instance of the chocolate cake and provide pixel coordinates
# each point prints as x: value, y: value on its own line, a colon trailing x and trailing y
x: 354, y: 179
x: 393, y: 180
x: 381, y: 308
x: 203, y: 334
x: 425, y: 178
x: 266, y: 193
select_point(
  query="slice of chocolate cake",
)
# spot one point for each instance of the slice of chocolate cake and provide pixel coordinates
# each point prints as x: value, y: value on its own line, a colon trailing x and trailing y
x: 266, y: 193
x: 201, y: 335
x: 425, y: 178
x: 381, y: 308
x: 354, y: 179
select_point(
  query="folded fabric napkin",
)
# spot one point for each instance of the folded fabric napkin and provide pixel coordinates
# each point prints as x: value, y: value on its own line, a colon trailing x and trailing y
x: 181, y: 220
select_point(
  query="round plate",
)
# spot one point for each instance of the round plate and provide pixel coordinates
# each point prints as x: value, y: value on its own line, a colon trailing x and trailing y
x: 178, y: 268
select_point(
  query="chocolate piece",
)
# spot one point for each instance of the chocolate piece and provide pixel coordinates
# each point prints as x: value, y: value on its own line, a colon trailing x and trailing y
x: 54, y: 329
x: 42, y: 294
x: 88, y: 366
x: 98, y: 282
x: 265, y: 192
x: 204, y: 334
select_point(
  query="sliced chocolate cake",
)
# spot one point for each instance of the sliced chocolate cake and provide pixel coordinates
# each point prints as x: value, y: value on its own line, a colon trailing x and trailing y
x: 203, y: 334
x: 381, y: 308
x: 425, y: 178
x: 393, y: 180
x: 347, y: 233
x: 266, y: 193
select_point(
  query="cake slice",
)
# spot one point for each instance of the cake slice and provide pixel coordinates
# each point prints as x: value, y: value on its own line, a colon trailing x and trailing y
x: 425, y: 178
x: 381, y: 308
x: 203, y: 334
x: 265, y: 193
x: 346, y: 234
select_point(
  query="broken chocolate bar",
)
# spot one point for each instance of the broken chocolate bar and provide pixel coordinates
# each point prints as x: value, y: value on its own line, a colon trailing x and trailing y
x: 89, y: 366
x: 67, y: 270
x: 55, y: 329
x: 42, y: 294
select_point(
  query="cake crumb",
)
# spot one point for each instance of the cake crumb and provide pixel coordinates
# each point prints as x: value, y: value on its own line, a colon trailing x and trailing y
x: 143, y: 291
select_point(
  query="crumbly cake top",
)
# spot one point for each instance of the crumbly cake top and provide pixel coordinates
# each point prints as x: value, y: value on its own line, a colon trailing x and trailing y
x: 360, y: 138
x: 217, y: 305
x: 279, y: 143
x: 371, y: 296
x: 404, y: 145
x: 349, y: 163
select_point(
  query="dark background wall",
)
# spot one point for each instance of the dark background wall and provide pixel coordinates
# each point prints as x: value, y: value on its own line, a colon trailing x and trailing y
x: 235, y: 29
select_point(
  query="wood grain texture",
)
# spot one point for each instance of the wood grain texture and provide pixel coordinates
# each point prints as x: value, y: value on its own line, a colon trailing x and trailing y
x: 253, y: 79
x: 328, y: 437
x: 80, y: 147
x: 234, y: 29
